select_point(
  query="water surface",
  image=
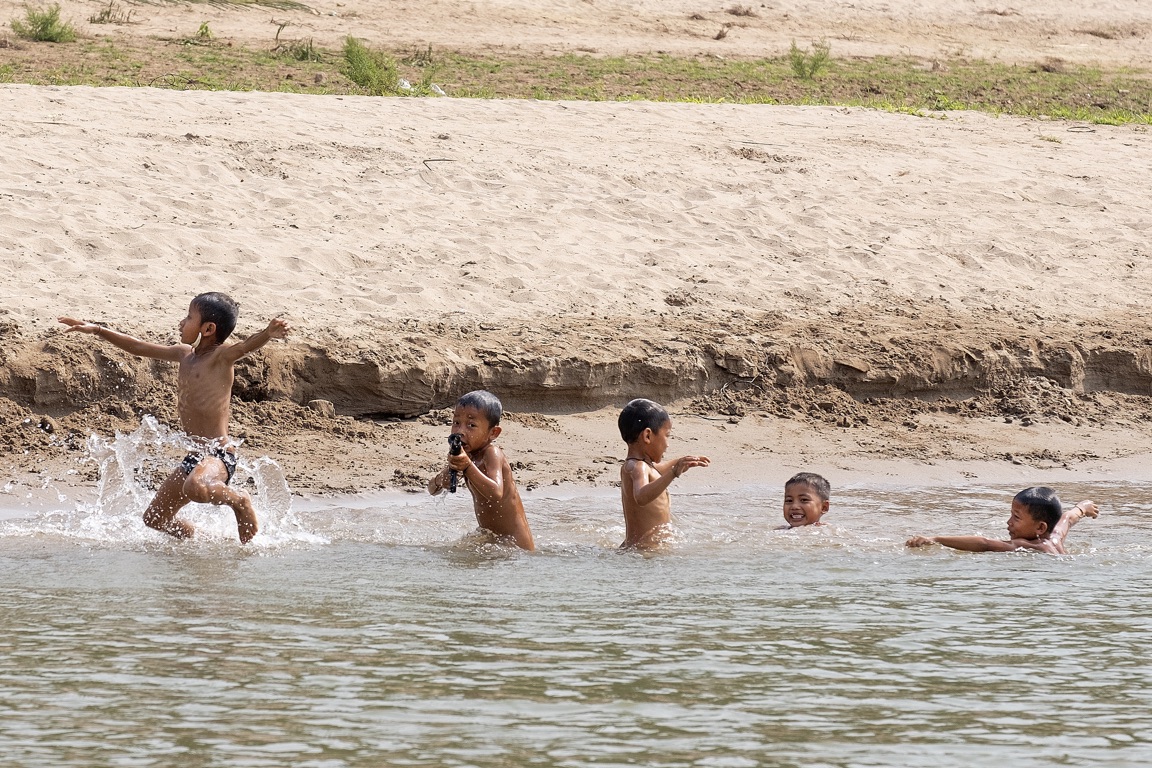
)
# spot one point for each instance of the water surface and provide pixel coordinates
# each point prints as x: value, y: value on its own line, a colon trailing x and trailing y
x: 377, y: 632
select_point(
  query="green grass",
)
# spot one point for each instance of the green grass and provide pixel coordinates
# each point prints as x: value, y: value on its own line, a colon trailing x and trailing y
x: 906, y: 85
x: 373, y: 71
x: 44, y: 26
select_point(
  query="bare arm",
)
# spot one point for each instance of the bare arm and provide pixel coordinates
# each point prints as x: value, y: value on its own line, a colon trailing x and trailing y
x: 487, y: 483
x: 277, y: 329
x: 1070, y: 517
x: 965, y: 543
x: 439, y: 482
x: 645, y: 492
x: 130, y: 344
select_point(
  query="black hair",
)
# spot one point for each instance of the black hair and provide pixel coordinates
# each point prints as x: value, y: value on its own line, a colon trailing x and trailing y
x: 814, y: 481
x: 219, y: 308
x: 639, y: 415
x: 1042, y: 504
x: 485, y: 402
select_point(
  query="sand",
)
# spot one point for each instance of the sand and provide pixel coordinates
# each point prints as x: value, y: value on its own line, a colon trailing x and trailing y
x: 861, y: 293
x: 1113, y: 32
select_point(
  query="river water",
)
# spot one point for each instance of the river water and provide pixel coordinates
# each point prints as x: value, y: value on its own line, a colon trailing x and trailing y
x: 357, y: 632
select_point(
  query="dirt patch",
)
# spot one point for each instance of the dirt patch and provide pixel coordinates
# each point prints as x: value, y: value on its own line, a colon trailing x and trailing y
x: 919, y: 385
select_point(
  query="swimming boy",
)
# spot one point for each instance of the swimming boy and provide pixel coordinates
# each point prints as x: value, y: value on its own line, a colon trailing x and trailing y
x: 644, y: 478
x: 484, y: 468
x: 1037, y: 522
x: 805, y: 499
x: 204, y: 404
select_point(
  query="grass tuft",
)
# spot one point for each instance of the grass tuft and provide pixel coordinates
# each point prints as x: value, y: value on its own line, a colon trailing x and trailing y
x: 807, y: 65
x: 373, y: 71
x: 44, y: 26
x: 113, y: 14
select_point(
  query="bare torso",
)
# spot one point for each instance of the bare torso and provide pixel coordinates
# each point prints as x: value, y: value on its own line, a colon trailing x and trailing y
x: 503, y: 516
x: 645, y: 526
x: 204, y: 400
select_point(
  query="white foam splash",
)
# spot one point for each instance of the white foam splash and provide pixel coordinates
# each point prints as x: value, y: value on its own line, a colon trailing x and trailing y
x: 130, y: 464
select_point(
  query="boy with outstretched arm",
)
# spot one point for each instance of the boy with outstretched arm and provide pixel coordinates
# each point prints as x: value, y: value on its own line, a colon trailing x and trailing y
x: 204, y: 404
x: 484, y: 468
x: 1037, y: 522
x: 644, y: 479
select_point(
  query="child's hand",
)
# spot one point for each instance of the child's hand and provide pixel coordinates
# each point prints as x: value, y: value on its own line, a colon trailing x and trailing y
x: 1089, y: 509
x: 78, y: 325
x: 685, y: 463
x: 278, y: 328
x: 459, y: 462
x: 919, y: 541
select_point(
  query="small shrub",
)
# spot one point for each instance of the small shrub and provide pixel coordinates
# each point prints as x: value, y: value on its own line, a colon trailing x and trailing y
x: 419, y: 58
x: 44, y: 26
x: 723, y: 33
x: 113, y: 14
x: 741, y: 10
x: 1053, y: 65
x: 302, y: 50
x: 204, y: 33
x: 373, y: 71
x: 807, y: 65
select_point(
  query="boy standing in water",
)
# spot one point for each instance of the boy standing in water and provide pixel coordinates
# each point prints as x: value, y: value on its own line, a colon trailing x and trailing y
x: 645, y: 477
x: 204, y: 404
x: 1037, y: 522
x: 805, y: 499
x: 485, y: 469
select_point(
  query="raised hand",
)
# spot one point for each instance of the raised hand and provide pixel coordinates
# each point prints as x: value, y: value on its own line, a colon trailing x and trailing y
x: 278, y: 328
x: 78, y: 325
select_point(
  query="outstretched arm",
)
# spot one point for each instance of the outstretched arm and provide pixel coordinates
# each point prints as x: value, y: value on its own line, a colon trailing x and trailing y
x: 277, y: 329
x: 964, y: 543
x: 129, y: 344
x: 645, y: 492
x: 1070, y: 517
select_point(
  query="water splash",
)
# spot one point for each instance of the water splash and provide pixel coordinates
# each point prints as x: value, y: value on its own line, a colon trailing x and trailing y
x: 131, y: 465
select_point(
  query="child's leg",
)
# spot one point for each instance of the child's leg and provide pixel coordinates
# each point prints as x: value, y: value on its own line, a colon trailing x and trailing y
x: 208, y: 484
x: 161, y: 513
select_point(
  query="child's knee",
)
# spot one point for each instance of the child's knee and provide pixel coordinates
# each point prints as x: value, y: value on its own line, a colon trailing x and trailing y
x: 203, y: 490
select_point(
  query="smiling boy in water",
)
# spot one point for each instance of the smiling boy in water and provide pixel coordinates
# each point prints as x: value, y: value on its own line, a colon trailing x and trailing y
x: 644, y: 479
x: 1037, y: 523
x: 484, y: 468
x: 805, y: 499
x: 204, y: 405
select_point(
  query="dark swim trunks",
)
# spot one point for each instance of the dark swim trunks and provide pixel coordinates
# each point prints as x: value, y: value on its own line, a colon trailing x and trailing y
x: 229, y: 459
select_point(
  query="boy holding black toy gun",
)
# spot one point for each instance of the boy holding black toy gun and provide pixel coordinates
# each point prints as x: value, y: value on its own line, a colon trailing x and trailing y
x: 474, y: 458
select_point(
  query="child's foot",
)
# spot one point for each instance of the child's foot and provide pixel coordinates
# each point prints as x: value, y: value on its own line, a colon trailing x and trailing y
x: 246, y: 524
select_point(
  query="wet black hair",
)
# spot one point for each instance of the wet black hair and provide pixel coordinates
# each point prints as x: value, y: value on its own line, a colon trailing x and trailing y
x: 814, y: 481
x: 485, y: 402
x: 639, y: 415
x: 1042, y: 504
x: 218, y: 308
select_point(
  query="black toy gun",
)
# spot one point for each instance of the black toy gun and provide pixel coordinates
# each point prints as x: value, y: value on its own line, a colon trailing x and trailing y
x: 455, y: 447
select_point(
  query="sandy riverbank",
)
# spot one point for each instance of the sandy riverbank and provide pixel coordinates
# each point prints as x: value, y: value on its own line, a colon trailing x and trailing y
x: 810, y: 286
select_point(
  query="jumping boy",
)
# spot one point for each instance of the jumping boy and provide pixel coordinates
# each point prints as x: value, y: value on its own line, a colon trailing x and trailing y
x: 204, y: 404
x: 644, y: 478
x: 805, y: 499
x: 482, y: 466
x: 1037, y: 522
